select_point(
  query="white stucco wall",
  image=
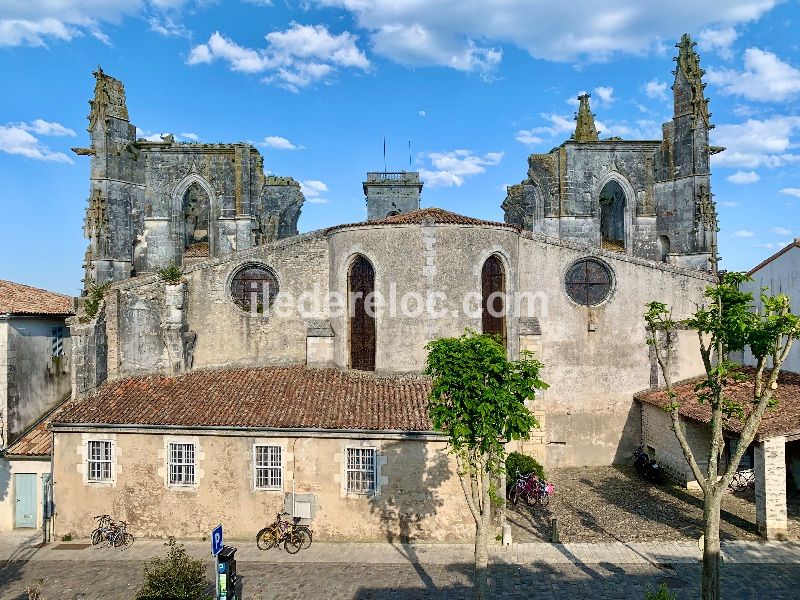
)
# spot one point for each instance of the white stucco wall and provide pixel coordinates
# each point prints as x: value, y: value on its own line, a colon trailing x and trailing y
x: 8, y: 468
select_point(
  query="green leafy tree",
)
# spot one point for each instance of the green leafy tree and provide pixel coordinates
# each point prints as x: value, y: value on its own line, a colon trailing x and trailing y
x: 478, y: 401
x: 176, y: 577
x: 727, y: 322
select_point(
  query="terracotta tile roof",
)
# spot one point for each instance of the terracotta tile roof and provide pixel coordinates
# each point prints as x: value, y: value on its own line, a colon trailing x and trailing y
x: 19, y: 299
x: 764, y: 263
x: 37, y: 441
x: 270, y: 397
x: 426, y: 215
x: 784, y: 419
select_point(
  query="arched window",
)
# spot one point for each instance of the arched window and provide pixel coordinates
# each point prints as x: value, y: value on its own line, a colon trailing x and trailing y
x: 361, y: 285
x: 493, y: 287
x: 612, y: 216
x: 664, y: 247
x: 196, y: 211
x: 254, y: 288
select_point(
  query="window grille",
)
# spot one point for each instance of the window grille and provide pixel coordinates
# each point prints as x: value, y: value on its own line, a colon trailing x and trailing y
x: 361, y: 470
x: 57, y: 341
x: 181, y: 464
x: 268, y: 468
x: 99, y: 461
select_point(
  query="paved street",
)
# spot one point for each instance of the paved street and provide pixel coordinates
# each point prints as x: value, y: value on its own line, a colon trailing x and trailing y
x: 442, y: 571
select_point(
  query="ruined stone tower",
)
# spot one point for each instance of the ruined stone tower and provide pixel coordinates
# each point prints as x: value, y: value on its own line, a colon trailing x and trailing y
x: 153, y: 204
x: 390, y: 194
x: 650, y: 199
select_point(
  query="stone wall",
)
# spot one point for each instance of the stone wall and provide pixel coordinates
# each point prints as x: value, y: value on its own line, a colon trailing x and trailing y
x: 770, y: 467
x: 418, y: 497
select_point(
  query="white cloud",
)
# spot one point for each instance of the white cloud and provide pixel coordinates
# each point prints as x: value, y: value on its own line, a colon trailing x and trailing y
x: 295, y: 58
x: 744, y: 177
x: 781, y: 231
x: 756, y: 143
x: 422, y: 113
x: 605, y: 95
x: 313, y: 189
x: 656, y: 89
x: 765, y: 78
x: 467, y: 34
x: 528, y: 137
x: 791, y: 192
x: 719, y: 40
x: 192, y: 137
x: 451, y: 168
x: 168, y: 27
x: 744, y: 233
x: 280, y: 143
x: 642, y: 129
x: 18, y: 138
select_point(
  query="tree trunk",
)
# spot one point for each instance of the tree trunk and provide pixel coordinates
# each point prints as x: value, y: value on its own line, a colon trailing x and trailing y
x: 481, y: 562
x: 711, y: 547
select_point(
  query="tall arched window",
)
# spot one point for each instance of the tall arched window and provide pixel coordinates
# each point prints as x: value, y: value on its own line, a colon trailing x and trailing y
x: 493, y: 288
x: 664, y: 247
x: 361, y: 284
x: 612, y: 216
x: 196, y: 212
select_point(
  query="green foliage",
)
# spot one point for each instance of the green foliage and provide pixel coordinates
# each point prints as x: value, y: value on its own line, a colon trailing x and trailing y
x: 662, y: 593
x: 518, y: 464
x: 34, y: 590
x: 94, y: 297
x: 171, y: 274
x: 478, y: 395
x: 177, y: 577
x: 67, y: 537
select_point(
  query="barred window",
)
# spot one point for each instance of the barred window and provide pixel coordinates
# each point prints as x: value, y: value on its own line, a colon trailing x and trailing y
x: 361, y: 470
x: 181, y: 464
x: 99, y: 460
x: 268, y: 468
x: 57, y: 341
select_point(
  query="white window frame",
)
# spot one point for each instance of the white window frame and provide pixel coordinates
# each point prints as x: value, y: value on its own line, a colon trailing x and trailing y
x: 182, y: 466
x: 358, y: 470
x: 100, y: 462
x: 268, y: 470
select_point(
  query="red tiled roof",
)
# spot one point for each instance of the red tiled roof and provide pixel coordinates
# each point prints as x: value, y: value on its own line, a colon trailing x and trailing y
x: 424, y: 216
x: 270, y: 397
x: 37, y: 441
x: 197, y: 251
x: 19, y: 299
x: 784, y: 419
x: 764, y: 263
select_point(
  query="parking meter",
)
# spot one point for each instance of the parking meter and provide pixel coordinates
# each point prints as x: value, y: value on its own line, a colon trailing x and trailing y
x: 226, y: 574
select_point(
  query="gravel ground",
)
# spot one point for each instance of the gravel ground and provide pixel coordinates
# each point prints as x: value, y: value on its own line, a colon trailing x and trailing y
x: 594, y: 504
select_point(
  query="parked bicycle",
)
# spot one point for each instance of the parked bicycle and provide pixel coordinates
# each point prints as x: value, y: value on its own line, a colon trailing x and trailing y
x: 647, y: 467
x: 111, y: 533
x: 532, y: 490
x: 742, y: 480
x: 291, y: 534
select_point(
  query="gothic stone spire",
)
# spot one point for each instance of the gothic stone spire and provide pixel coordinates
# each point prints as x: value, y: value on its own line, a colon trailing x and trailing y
x: 585, y: 130
x: 689, y: 82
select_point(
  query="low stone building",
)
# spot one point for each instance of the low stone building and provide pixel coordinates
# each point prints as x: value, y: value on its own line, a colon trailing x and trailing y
x: 774, y: 454
x: 35, y: 351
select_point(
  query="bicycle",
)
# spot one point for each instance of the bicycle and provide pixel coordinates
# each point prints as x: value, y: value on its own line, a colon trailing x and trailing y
x: 293, y: 536
x: 531, y: 489
x: 742, y: 480
x: 114, y: 534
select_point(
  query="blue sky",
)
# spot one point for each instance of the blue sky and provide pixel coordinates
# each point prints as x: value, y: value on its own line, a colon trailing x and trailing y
x: 475, y: 85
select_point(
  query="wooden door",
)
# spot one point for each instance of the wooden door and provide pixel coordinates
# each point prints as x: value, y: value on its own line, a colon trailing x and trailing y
x: 493, y: 282
x: 362, y: 321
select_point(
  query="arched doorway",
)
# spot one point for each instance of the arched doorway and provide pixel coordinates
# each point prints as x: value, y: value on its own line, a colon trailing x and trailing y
x: 196, y: 213
x: 361, y: 285
x: 493, y: 288
x: 664, y: 247
x: 612, y: 216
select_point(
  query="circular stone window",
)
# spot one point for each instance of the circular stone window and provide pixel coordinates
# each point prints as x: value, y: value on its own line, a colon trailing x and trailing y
x: 589, y: 282
x: 254, y: 284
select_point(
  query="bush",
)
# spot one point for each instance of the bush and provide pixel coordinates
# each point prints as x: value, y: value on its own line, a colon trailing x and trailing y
x: 91, y: 303
x: 520, y: 464
x: 171, y: 274
x: 67, y: 537
x: 661, y: 594
x: 177, y: 577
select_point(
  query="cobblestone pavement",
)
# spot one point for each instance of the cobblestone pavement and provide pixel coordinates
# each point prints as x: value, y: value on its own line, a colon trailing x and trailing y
x: 425, y: 571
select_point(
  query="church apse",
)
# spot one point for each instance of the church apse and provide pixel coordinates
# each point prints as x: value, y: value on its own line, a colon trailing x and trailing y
x: 156, y: 203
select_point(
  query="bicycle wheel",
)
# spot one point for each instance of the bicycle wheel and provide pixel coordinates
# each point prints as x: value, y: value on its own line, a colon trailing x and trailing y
x: 97, y: 537
x: 514, y: 496
x: 122, y: 540
x: 530, y: 498
x: 295, y: 540
x: 266, y: 538
x: 309, y: 535
x: 543, y: 499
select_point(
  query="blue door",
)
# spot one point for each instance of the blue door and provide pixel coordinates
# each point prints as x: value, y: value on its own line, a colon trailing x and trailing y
x: 25, y: 487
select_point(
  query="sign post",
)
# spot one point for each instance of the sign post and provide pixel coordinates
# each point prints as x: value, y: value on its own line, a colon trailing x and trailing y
x: 216, y: 547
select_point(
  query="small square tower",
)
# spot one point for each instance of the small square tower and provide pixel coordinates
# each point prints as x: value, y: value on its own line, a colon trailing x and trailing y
x: 390, y: 194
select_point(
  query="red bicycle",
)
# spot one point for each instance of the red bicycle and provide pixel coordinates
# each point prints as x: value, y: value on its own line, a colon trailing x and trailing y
x: 532, y: 490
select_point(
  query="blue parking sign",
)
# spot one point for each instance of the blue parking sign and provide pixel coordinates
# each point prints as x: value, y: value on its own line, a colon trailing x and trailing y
x: 216, y: 540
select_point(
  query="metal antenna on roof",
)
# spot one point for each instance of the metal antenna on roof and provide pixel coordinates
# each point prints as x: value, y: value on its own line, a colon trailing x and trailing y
x: 409, y: 155
x: 384, y: 154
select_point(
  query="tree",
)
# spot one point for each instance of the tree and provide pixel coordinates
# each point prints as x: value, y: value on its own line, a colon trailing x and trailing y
x: 727, y: 322
x: 478, y: 401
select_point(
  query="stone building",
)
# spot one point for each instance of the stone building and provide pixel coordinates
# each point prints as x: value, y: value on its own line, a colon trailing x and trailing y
x: 154, y: 204
x: 286, y: 369
x: 35, y: 350
x: 650, y: 199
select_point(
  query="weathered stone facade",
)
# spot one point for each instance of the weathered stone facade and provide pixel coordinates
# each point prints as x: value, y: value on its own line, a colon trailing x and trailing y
x: 153, y: 204
x: 770, y: 467
x: 389, y: 194
x: 650, y: 199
